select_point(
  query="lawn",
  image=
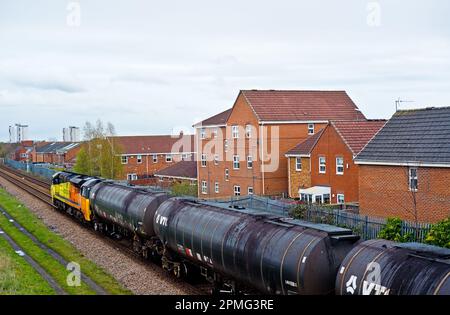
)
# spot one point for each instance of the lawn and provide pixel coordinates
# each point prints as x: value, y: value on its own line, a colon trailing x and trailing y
x: 35, y: 226
x: 17, y: 277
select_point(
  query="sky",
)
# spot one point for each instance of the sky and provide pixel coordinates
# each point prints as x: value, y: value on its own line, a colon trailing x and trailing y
x: 158, y: 67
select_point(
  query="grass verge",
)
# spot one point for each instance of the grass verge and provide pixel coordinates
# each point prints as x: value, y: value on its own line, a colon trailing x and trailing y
x: 35, y: 226
x: 17, y: 277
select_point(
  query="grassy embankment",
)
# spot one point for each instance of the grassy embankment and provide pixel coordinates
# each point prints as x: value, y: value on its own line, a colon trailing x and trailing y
x: 35, y: 226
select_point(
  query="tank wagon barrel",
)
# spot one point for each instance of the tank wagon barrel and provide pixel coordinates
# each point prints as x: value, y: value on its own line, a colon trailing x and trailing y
x: 273, y: 254
x: 380, y: 267
x: 128, y: 207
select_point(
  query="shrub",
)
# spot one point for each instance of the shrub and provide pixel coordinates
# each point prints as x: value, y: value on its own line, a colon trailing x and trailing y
x: 299, y: 211
x: 392, y: 231
x: 184, y: 189
x: 439, y: 234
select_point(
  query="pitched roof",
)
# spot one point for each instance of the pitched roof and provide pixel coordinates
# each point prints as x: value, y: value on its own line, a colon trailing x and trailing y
x: 185, y: 169
x: 356, y: 134
x: 275, y: 105
x: 412, y: 136
x: 56, y: 147
x: 305, y: 147
x: 155, y: 144
x: 219, y: 119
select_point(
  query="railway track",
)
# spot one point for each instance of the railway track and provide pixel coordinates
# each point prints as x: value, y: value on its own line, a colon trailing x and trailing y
x: 41, y: 190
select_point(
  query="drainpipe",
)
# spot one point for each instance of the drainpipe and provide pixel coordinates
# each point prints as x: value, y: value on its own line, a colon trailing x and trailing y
x: 262, y: 156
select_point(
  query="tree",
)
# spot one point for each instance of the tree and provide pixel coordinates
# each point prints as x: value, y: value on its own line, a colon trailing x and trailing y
x: 392, y: 231
x: 439, y: 234
x: 184, y: 189
x: 82, y: 165
x: 100, y: 155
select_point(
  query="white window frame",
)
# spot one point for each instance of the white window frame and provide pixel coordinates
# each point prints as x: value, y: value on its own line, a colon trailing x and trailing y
x: 337, y: 165
x: 227, y: 174
x: 203, y: 160
x: 203, y: 133
x: 139, y: 159
x: 225, y: 145
x: 311, y: 129
x: 169, y: 158
x: 155, y: 158
x: 410, y: 178
x: 124, y: 160
x: 249, y: 162
x: 132, y: 176
x: 237, y: 190
x: 324, y: 164
x: 235, y: 132
x: 298, y: 162
x: 216, y: 187
x: 250, y: 190
x: 204, y: 187
x: 236, y: 160
x: 215, y: 132
x: 248, y: 131
x: 343, y: 199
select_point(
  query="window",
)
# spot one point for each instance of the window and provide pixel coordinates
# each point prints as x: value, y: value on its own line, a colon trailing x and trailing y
x: 413, y: 179
x: 227, y: 174
x: 204, y: 187
x: 322, y: 165
x: 124, y: 159
x: 215, y: 133
x: 131, y: 177
x: 139, y: 159
x: 236, y: 162
x: 168, y: 158
x: 298, y: 164
x: 310, y: 129
x: 326, y: 198
x: 250, y: 190
x: 203, y: 160
x: 237, y: 190
x: 155, y: 158
x: 340, y: 199
x: 248, y: 131
x: 340, y: 166
x: 202, y: 133
x: 249, y: 161
x: 226, y: 146
x: 235, y: 132
x: 216, y: 159
x: 216, y: 187
x: 319, y: 199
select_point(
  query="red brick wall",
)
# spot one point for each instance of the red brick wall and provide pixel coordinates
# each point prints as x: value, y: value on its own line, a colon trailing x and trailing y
x: 384, y: 192
x: 276, y: 182
x: 147, y: 167
x: 332, y: 146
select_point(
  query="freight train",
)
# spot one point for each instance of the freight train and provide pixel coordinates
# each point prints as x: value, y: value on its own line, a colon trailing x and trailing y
x: 241, y: 250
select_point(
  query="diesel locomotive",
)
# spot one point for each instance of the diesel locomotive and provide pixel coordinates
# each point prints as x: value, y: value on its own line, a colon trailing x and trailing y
x: 243, y: 250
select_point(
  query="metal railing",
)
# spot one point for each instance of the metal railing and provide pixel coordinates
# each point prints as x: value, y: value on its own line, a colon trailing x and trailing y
x: 41, y: 170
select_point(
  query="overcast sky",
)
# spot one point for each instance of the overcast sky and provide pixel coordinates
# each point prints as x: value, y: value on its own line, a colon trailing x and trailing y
x: 152, y: 66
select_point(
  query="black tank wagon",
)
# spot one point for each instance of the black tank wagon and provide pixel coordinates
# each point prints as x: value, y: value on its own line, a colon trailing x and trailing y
x: 272, y: 254
x: 380, y: 267
x: 129, y: 209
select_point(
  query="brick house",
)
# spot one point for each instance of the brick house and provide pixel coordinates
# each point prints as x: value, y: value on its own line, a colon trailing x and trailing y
x: 23, y: 151
x: 143, y: 156
x: 181, y: 172
x: 321, y: 169
x: 262, y: 123
x: 57, y: 153
x: 405, y: 168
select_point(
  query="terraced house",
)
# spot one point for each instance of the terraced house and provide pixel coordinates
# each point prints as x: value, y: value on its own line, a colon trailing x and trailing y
x: 405, y: 168
x: 143, y: 156
x: 321, y: 168
x: 241, y: 151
